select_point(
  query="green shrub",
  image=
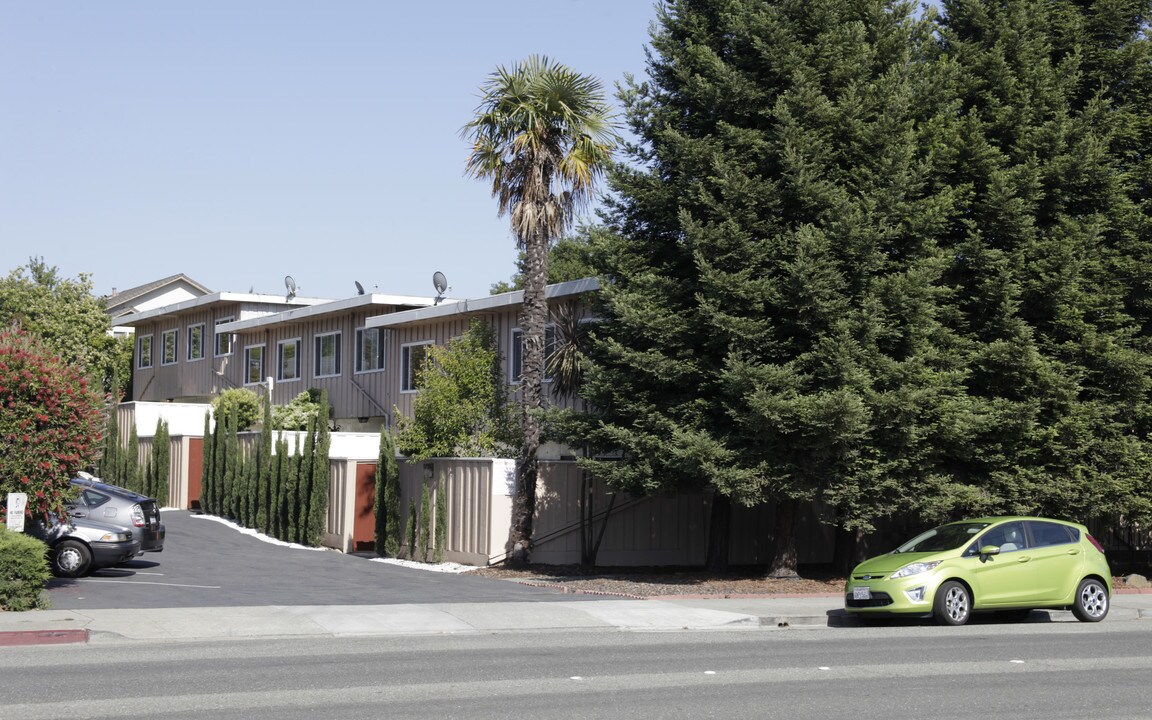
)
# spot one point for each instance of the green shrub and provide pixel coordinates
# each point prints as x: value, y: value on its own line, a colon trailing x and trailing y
x: 242, y: 401
x: 298, y: 414
x: 23, y: 571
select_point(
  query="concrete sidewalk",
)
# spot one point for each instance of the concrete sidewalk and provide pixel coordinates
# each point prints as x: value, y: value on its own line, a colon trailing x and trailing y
x: 185, y: 624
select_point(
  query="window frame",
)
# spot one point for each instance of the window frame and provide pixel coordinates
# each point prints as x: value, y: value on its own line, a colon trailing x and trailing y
x: 381, y: 365
x: 318, y: 355
x: 202, y: 327
x: 407, y: 373
x: 516, y: 352
x: 140, y: 342
x: 174, y: 334
x: 231, y: 339
x: 280, y: 345
x: 248, y: 350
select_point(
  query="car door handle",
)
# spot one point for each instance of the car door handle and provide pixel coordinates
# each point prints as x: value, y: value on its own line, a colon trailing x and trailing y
x: 1074, y: 551
x: 1023, y: 558
x: 77, y: 514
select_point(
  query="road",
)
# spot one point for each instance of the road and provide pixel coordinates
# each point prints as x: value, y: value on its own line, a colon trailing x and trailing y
x: 1002, y: 670
x: 208, y: 564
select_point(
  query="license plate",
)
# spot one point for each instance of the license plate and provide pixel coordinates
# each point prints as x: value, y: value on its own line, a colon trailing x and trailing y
x: 861, y: 593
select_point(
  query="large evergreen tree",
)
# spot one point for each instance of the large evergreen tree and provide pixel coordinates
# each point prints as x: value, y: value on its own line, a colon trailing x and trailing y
x: 772, y: 325
x: 1049, y: 250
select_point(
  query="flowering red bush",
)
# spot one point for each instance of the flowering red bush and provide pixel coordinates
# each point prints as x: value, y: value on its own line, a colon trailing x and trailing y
x: 50, y: 423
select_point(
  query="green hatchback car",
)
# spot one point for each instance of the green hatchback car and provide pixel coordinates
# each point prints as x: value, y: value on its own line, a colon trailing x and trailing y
x: 986, y: 564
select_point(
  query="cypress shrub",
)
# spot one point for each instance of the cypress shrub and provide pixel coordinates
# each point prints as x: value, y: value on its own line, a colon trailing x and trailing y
x: 426, y: 519
x: 388, y: 528
x: 206, y: 459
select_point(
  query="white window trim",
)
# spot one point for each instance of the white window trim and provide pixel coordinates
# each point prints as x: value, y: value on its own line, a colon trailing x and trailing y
x: 514, y: 341
x: 151, y: 351
x: 339, y: 358
x: 188, y: 341
x: 216, y: 338
x: 404, y: 366
x: 279, y: 359
x: 356, y: 347
x: 175, y: 333
x: 263, y: 364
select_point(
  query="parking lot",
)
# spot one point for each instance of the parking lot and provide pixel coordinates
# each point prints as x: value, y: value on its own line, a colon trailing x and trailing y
x: 209, y: 564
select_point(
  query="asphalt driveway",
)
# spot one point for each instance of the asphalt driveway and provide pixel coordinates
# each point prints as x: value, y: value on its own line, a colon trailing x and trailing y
x: 209, y: 564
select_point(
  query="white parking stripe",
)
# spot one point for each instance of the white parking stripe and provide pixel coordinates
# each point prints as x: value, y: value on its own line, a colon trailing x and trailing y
x: 145, y: 582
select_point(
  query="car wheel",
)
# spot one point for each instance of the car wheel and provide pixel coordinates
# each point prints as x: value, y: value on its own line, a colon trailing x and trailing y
x: 1091, y: 601
x: 71, y: 558
x: 953, y: 604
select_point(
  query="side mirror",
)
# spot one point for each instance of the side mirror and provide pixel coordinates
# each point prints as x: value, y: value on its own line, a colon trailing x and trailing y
x: 990, y: 550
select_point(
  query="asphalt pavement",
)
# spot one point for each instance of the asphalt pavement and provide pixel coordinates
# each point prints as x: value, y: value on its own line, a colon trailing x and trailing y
x: 201, y: 597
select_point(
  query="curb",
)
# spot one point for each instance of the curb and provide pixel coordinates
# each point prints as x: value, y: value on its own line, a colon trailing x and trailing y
x: 42, y: 637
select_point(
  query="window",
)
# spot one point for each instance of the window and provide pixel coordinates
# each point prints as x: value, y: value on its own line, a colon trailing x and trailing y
x: 1045, y: 534
x: 144, y: 351
x: 288, y: 360
x: 327, y: 363
x: 516, y: 364
x: 369, y: 350
x: 196, y: 342
x: 253, y: 364
x: 171, y: 342
x: 411, y: 361
x: 1009, y: 537
x: 223, y: 340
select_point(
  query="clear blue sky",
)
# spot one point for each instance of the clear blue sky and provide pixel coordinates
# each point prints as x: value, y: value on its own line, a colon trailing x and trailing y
x: 239, y: 141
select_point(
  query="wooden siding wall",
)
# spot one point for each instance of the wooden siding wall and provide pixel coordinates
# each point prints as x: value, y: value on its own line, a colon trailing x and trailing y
x: 187, y: 379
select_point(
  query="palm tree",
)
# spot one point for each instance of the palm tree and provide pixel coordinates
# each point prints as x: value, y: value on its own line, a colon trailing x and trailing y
x: 543, y: 135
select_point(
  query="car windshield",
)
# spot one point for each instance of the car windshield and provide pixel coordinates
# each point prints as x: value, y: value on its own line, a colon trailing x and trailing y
x: 945, y: 537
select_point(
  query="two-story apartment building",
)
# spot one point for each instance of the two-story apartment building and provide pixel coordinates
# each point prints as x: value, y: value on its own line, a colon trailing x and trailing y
x: 363, y: 350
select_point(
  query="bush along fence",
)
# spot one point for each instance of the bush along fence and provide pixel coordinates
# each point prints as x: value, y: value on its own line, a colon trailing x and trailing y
x: 269, y: 486
x: 427, y: 526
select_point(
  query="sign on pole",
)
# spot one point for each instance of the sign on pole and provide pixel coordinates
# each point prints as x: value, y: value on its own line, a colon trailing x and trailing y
x: 16, y: 504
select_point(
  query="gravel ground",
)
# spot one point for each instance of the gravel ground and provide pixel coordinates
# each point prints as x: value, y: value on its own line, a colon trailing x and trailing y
x: 658, y: 581
x: 652, y: 582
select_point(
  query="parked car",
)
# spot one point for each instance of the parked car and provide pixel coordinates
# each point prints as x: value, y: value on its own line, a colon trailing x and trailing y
x: 110, y: 503
x: 986, y: 564
x: 77, y: 546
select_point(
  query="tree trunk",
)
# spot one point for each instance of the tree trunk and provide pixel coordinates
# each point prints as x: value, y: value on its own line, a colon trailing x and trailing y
x: 719, y: 533
x: 533, y: 318
x: 784, y: 563
x: 844, y: 555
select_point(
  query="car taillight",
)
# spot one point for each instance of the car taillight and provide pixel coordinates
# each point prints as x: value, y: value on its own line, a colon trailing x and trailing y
x: 1094, y: 542
x: 138, y: 516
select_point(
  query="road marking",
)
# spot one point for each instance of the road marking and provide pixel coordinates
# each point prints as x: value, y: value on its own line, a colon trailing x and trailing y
x: 145, y: 582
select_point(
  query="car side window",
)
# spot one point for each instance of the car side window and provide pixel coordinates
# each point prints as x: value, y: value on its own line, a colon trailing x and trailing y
x: 1045, y: 534
x: 1009, y: 537
x: 93, y: 499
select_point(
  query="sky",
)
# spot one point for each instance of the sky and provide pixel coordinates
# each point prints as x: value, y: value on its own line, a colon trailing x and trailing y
x: 242, y: 141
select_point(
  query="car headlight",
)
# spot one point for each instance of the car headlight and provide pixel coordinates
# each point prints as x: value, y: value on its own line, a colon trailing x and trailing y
x: 115, y: 537
x: 915, y: 569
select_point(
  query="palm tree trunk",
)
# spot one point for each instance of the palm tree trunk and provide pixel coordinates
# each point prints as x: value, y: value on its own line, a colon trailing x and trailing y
x: 533, y: 318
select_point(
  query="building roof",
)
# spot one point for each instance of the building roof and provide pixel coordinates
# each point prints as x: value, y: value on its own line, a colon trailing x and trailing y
x: 199, y: 303
x: 485, y: 304
x: 120, y: 301
x: 328, y: 308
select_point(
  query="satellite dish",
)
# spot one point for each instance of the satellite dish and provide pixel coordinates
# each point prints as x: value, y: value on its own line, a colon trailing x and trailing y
x: 359, y: 288
x: 440, y: 282
x: 290, y: 285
